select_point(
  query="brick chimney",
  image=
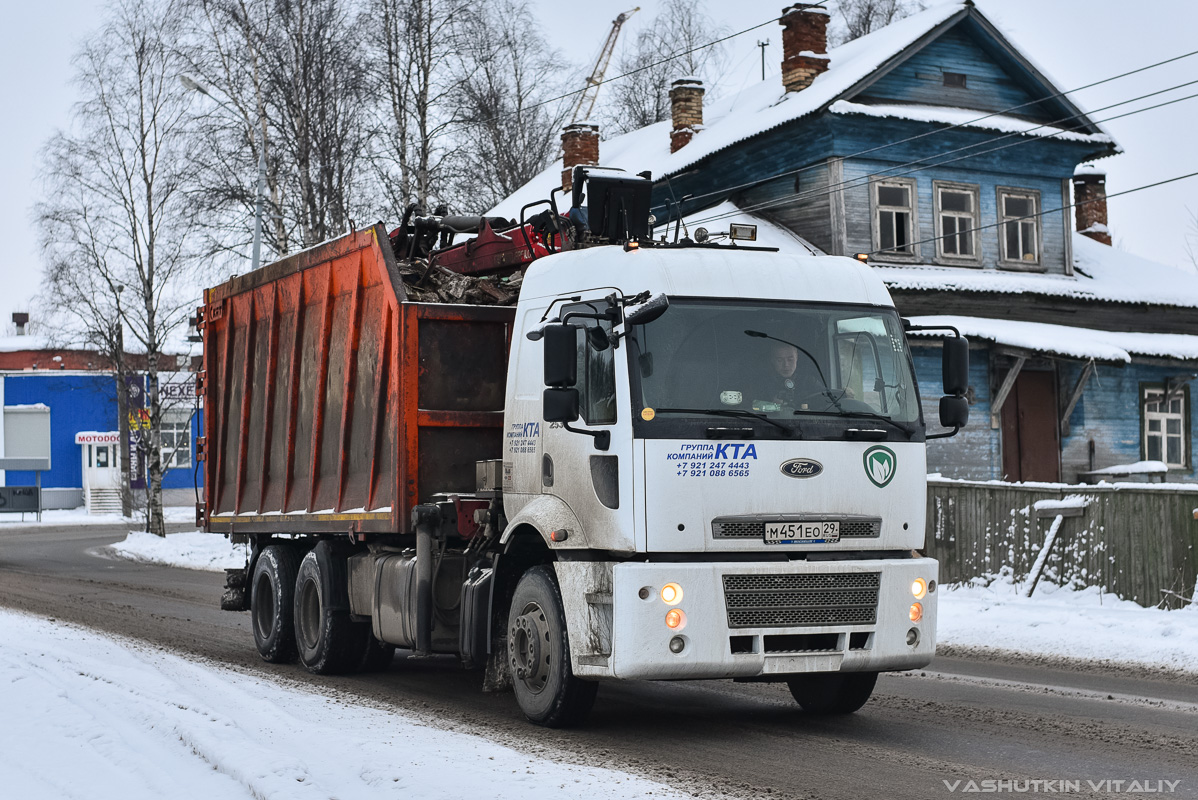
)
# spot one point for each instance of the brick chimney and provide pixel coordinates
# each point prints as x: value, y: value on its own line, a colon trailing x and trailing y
x: 686, y: 110
x: 1089, y: 197
x: 20, y: 319
x: 804, y: 45
x: 580, y: 145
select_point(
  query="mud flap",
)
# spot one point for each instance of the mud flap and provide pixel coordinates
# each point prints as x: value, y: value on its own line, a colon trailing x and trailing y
x: 235, y: 597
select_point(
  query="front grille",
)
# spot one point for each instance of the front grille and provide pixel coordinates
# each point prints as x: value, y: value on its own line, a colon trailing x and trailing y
x: 850, y: 527
x: 780, y: 601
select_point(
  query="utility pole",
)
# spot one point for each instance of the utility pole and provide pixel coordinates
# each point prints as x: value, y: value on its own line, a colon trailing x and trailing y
x: 763, y: 45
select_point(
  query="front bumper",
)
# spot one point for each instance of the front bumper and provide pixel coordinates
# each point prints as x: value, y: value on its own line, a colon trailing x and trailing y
x: 766, y: 641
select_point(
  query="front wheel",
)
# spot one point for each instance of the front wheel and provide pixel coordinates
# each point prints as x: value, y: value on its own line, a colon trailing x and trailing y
x: 539, y: 655
x: 828, y: 693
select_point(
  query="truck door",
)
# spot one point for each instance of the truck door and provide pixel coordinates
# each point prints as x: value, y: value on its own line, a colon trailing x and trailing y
x: 596, y: 484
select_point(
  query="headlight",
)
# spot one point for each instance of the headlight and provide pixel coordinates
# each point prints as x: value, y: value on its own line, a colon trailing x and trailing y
x: 671, y: 594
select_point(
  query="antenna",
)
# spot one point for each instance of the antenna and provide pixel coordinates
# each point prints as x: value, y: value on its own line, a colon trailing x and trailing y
x: 596, y: 78
x: 763, y: 45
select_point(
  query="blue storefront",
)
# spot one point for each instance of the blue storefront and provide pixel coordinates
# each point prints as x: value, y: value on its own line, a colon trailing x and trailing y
x: 84, y: 402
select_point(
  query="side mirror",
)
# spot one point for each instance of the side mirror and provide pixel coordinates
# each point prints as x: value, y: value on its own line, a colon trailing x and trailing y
x: 648, y: 311
x: 954, y: 412
x: 956, y: 366
x: 560, y: 405
x: 561, y: 356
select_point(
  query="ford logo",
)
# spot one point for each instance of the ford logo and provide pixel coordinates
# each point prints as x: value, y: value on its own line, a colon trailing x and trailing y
x: 801, y: 468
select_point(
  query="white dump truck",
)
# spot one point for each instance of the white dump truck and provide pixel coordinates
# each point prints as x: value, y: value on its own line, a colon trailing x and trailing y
x: 673, y: 461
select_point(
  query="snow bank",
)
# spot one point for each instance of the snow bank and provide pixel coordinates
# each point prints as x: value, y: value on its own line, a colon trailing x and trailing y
x: 1064, y: 621
x: 189, y: 550
x: 89, y: 716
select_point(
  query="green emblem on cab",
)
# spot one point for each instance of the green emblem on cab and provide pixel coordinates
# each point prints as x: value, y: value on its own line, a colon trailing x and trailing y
x: 880, y: 464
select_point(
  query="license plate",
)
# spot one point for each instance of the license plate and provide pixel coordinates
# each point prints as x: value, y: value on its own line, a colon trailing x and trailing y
x: 802, y: 532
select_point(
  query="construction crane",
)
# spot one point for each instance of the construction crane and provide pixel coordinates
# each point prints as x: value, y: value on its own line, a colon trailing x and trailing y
x: 592, y: 88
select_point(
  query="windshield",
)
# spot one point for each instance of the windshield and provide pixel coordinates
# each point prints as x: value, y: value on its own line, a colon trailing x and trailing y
x: 778, y: 360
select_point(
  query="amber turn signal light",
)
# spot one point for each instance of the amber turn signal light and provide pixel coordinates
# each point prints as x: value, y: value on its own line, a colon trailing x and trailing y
x: 916, y: 612
x: 675, y: 618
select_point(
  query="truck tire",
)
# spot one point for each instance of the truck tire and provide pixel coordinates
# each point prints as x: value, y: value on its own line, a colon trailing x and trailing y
x: 539, y: 655
x: 829, y: 693
x: 271, y: 603
x: 328, y: 640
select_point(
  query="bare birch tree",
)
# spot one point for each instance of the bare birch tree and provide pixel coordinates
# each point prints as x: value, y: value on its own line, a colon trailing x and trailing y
x: 287, y: 76
x: 414, y: 75
x: 508, y: 121
x: 860, y: 17
x: 670, y: 48
x: 115, y: 229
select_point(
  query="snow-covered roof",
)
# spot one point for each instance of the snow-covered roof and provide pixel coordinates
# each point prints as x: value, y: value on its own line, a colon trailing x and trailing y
x: 766, y: 105
x: 1066, y: 341
x: 1101, y: 273
x: 966, y: 118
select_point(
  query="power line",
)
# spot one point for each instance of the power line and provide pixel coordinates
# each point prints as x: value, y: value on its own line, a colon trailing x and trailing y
x: 966, y: 123
x: 865, y: 179
x: 1043, y: 213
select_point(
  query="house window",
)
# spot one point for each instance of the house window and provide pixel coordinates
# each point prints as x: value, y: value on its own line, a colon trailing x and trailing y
x: 956, y: 221
x: 1019, y: 230
x: 176, y: 440
x: 894, y: 218
x: 955, y: 80
x: 1166, y: 433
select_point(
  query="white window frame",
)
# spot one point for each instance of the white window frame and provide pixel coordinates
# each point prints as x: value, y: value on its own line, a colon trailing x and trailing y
x: 876, y: 209
x: 974, y: 218
x: 177, y: 455
x: 1150, y: 395
x: 1038, y: 238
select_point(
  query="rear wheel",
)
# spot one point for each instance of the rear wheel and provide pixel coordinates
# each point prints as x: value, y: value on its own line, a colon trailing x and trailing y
x: 828, y: 693
x: 271, y: 601
x: 539, y: 655
x: 328, y: 640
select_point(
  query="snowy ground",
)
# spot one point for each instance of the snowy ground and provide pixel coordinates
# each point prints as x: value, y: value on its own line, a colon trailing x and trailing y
x: 88, y: 716
x: 993, y: 613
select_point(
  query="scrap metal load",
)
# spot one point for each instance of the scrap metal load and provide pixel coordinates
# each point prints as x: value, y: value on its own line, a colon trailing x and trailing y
x: 488, y: 268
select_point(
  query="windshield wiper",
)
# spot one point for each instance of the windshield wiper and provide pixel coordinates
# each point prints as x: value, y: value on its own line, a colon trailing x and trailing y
x: 729, y: 412
x: 870, y: 415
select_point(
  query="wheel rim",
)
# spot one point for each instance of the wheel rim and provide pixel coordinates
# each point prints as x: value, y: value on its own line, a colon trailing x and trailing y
x: 528, y: 648
x: 309, y: 608
x: 264, y: 607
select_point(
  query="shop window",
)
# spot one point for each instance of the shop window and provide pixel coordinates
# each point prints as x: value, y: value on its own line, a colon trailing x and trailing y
x: 894, y: 218
x: 1019, y: 229
x: 1166, y: 430
x: 176, y: 440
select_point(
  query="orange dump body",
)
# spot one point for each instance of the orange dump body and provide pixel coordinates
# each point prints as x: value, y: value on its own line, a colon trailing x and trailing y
x: 331, y: 404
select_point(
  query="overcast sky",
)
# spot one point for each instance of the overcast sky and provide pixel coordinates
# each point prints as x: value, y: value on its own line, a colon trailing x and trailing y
x: 1075, y: 41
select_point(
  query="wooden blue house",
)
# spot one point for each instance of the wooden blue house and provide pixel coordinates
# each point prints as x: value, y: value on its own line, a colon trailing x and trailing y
x: 967, y: 176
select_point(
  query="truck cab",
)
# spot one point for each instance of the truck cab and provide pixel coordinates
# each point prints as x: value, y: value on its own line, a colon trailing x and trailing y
x: 736, y: 487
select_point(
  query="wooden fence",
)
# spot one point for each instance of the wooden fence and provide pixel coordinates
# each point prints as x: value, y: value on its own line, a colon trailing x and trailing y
x: 1130, y: 539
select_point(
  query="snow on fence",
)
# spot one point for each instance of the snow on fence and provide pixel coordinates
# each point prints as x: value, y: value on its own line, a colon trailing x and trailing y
x: 1139, y: 541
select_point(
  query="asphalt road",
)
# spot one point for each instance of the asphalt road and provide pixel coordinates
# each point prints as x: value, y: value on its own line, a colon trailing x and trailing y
x: 962, y: 719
